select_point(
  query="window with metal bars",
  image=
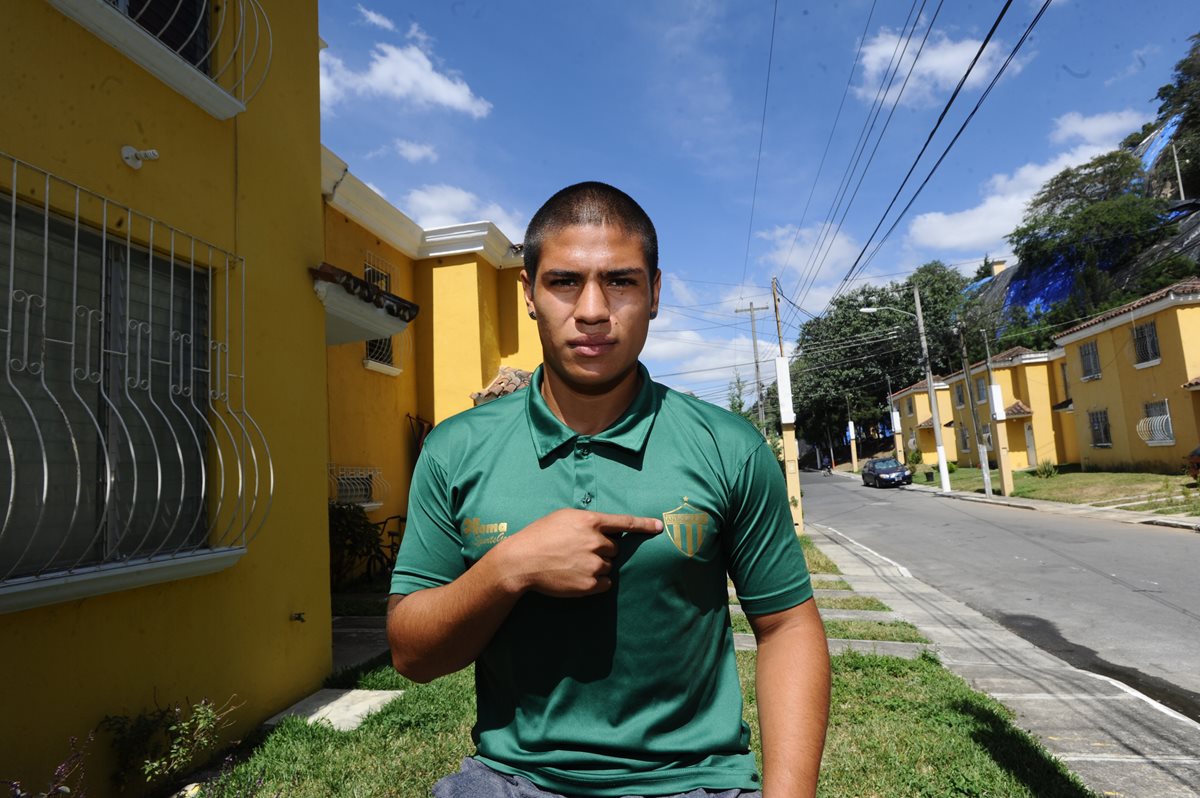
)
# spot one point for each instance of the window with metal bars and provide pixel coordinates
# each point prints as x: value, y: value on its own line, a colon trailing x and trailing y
x: 1065, y: 381
x: 959, y: 395
x: 379, y: 350
x: 104, y: 399
x: 183, y: 26
x: 1098, y: 422
x: 964, y: 439
x: 1089, y: 360
x: 981, y: 392
x: 1145, y: 343
x: 908, y: 406
x: 1155, y: 427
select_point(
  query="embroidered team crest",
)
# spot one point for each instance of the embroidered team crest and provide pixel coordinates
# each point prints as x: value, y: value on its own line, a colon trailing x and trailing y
x: 685, y: 526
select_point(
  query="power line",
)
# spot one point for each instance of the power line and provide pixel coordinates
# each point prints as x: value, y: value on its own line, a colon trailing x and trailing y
x: 762, y: 131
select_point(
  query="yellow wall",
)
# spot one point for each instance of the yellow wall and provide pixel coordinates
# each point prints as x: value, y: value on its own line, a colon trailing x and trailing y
x: 909, y: 423
x: 472, y: 321
x: 1028, y: 382
x: 1123, y: 389
x: 368, y: 410
x: 71, y: 102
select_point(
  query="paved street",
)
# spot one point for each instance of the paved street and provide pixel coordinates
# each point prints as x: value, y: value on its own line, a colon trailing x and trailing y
x: 1116, y: 599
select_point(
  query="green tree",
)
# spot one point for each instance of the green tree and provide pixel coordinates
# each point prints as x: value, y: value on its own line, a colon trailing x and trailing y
x: 1182, y: 97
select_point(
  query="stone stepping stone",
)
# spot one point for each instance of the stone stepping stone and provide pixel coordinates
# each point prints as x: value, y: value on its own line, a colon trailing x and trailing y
x: 344, y: 710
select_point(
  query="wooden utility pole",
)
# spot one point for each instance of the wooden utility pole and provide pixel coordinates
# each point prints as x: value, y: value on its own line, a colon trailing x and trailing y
x: 897, y: 436
x: 762, y: 418
x: 787, y: 420
x: 850, y: 431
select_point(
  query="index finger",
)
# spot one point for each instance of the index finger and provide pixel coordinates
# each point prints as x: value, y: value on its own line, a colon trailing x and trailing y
x: 607, y: 522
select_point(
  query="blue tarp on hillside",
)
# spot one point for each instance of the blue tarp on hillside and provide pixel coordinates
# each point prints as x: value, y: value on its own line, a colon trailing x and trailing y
x: 1154, y: 144
x: 1039, y: 292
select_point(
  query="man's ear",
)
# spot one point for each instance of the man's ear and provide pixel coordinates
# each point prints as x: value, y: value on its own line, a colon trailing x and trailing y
x: 527, y: 287
x: 655, y: 288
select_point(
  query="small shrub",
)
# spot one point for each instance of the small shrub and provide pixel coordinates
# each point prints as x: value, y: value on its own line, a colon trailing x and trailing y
x: 1046, y: 469
x: 165, y: 742
x: 951, y: 466
x: 69, y: 772
x: 352, y: 539
x: 914, y: 457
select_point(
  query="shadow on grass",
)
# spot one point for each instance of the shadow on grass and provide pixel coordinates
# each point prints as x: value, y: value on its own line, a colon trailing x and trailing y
x: 1018, y: 753
x: 349, y: 678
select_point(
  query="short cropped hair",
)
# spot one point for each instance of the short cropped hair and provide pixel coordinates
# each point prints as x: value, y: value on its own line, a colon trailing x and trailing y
x: 590, y: 204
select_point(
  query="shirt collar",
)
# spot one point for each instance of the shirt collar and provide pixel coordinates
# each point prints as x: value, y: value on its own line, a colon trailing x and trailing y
x: 627, y: 432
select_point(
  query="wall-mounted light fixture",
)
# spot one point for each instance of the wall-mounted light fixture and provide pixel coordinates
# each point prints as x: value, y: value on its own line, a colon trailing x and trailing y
x: 134, y: 157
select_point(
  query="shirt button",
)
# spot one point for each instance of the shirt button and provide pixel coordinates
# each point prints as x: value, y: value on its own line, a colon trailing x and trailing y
x: 584, y: 451
x: 587, y: 498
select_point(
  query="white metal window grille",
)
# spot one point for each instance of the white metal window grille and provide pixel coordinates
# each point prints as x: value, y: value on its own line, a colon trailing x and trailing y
x: 909, y: 406
x: 216, y: 52
x: 1089, y: 359
x: 362, y: 485
x: 1065, y: 381
x: 964, y: 440
x: 1145, y: 342
x: 981, y: 391
x: 378, y: 273
x: 1155, y: 428
x: 959, y: 398
x: 126, y: 438
x: 1101, y: 434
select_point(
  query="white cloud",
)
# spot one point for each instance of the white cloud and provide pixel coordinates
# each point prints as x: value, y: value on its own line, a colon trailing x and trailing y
x: 1099, y: 129
x: 983, y: 227
x: 1137, y: 63
x: 442, y: 205
x: 412, y: 151
x: 375, y: 18
x: 400, y: 73
x: 941, y: 65
x: 376, y: 189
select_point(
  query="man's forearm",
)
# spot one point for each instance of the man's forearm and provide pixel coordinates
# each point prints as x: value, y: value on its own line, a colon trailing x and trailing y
x: 792, y: 679
x: 440, y: 630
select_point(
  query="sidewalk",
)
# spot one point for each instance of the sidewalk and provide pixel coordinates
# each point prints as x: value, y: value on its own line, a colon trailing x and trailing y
x: 1117, y: 740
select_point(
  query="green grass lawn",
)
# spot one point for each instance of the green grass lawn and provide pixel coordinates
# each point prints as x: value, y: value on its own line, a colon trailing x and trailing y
x: 830, y: 584
x: 891, y: 631
x: 897, y: 728
x: 818, y: 563
x: 852, y: 603
x: 1072, y: 486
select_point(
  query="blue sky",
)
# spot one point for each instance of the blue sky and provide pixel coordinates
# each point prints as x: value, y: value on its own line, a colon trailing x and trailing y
x: 467, y: 110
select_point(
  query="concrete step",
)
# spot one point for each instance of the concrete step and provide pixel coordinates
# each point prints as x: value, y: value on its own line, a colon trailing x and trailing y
x: 344, y: 710
x: 836, y: 646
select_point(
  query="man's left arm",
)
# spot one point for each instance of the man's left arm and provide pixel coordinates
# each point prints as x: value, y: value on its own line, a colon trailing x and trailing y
x: 792, y: 681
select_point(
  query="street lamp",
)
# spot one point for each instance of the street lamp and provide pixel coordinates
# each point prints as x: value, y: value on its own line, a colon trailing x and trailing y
x: 943, y: 472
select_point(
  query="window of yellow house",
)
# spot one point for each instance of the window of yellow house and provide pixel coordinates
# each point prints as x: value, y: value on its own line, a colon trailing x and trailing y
x: 908, y: 406
x: 380, y: 355
x: 1155, y: 426
x: 122, y: 409
x: 1066, y: 382
x: 1145, y: 344
x: 1098, y: 422
x: 959, y: 398
x: 964, y: 439
x: 981, y: 391
x: 1089, y: 360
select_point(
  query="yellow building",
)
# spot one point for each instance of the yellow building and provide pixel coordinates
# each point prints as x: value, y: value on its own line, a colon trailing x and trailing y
x: 1027, y: 397
x: 1133, y: 376
x: 385, y: 392
x: 916, y: 419
x: 164, y: 399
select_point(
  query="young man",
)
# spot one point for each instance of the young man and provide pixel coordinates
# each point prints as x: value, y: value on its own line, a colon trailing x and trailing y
x: 573, y: 541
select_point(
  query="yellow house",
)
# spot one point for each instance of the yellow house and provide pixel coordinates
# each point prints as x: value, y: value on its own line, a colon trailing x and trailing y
x: 916, y: 418
x: 385, y: 392
x: 1133, y: 378
x: 164, y: 399
x: 1027, y: 396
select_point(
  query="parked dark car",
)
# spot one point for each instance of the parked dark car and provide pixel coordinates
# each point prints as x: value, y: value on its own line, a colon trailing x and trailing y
x: 885, y: 471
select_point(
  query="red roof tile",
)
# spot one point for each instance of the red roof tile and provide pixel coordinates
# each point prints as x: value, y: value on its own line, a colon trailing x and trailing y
x: 1018, y: 409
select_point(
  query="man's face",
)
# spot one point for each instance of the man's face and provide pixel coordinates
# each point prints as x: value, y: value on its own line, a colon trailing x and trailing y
x: 594, y: 297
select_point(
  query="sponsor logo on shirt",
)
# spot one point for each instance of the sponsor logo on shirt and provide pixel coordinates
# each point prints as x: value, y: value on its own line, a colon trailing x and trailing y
x: 685, y: 526
x: 481, y: 534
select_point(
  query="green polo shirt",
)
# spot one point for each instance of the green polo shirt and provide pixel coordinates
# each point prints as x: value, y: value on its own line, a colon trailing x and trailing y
x: 633, y: 691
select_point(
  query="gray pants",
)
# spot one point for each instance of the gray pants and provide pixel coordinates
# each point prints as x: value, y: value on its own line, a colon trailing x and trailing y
x: 477, y: 780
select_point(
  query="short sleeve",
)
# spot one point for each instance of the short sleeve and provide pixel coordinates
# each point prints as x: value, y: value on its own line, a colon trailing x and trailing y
x: 766, y: 562
x: 431, y: 552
